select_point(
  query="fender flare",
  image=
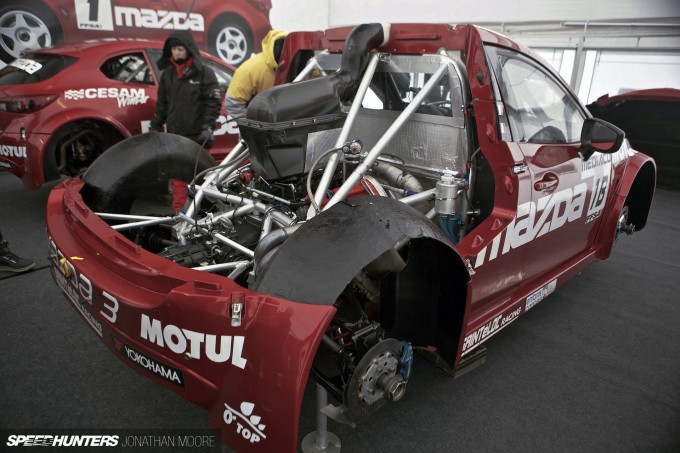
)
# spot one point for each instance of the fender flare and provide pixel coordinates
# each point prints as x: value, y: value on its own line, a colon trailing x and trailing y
x: 58, y: 120
x: 637, y: 187
x: 424, y: 303
x: 142, y: 163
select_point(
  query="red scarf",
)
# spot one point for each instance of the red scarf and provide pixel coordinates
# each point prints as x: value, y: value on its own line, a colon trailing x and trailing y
x: 181, y: 66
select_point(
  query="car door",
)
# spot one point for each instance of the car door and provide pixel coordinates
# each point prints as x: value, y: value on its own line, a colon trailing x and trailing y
x: 544, y: 119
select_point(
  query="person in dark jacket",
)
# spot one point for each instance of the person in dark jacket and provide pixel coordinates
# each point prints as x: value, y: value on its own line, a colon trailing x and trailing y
x: 189, y: 98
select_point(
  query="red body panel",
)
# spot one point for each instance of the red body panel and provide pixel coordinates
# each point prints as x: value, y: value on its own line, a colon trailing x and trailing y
x: 533, y: 240
x: 267, y: 358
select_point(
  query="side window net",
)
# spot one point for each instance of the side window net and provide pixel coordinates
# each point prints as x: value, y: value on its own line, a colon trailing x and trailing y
x: 128, y: 68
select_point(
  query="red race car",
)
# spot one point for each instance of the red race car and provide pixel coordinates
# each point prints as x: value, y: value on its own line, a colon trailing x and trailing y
x: 230, y: 30
x: 402, y: 188
x: 61, y: 107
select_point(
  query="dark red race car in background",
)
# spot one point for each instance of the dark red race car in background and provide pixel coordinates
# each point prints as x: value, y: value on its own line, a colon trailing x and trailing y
x: 61, y: 107
x: 650, y: 119
x: 231, y: 30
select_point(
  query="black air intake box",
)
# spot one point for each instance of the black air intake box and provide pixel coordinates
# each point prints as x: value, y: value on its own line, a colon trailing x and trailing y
x: 279, y: 150
x: 280, y: 119
x: 291, y: 101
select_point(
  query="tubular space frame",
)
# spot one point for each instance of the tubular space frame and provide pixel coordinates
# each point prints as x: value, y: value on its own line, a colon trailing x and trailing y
x: 218, y: 175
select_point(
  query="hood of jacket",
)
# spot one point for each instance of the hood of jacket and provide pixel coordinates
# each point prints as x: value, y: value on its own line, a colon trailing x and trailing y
x: 268, y: 47
x: 187, y: 40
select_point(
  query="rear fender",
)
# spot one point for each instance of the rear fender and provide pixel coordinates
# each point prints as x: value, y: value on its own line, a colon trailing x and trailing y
x: 423, y: 303
x: 60, y: 119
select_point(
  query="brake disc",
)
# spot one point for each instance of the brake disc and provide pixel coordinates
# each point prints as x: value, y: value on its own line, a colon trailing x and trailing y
x: 363, y: 394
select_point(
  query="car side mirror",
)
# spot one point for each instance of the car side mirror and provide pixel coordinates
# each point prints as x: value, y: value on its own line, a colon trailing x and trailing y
x: 599, y: 135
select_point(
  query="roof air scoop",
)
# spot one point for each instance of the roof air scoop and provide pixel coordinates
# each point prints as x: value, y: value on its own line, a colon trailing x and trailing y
x: 358, y: 45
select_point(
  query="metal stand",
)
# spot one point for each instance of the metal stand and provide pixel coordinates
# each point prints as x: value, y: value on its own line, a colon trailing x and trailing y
x: 321, y: 440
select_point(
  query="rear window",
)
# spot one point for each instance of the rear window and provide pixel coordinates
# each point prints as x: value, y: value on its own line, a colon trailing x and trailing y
x: 34, y: 68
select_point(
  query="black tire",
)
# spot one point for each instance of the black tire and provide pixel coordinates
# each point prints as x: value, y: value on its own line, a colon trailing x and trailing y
x: 231, y: 39
x: 41, y: 28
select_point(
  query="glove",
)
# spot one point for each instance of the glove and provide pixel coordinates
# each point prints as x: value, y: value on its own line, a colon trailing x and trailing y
x: 153, y: 128
x: 205, y: 138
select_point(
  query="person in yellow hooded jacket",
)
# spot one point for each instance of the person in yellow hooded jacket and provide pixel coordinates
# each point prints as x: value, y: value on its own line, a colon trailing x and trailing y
x: 254, y: 75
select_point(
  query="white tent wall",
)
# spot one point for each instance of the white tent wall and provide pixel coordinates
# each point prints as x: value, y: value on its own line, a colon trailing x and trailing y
x: 599, y: 47
x: 344, y: 12
x: 319, y: 14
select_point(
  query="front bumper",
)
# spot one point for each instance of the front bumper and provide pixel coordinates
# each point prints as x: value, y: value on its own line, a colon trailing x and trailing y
x: 173, y: 325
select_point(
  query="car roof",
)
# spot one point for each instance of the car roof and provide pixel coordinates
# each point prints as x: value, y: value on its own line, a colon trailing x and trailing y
x: 96, y: 45
x: 652, y: 94
x: 413, y: 38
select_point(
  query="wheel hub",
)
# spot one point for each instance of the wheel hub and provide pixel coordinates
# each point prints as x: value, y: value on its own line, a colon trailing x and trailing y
x: 23, y: 35
x: 383, y: 365
x: 376, y: 379
x: 231, y: 45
